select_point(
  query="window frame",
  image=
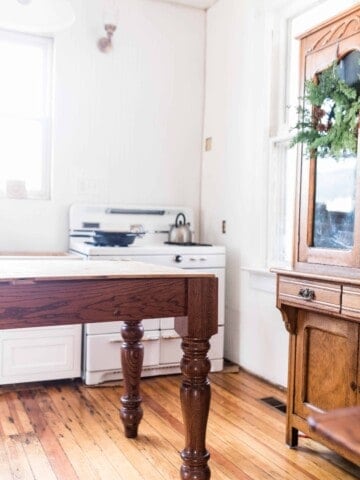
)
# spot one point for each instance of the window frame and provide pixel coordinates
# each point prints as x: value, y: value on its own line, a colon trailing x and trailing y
x: 45, y: 119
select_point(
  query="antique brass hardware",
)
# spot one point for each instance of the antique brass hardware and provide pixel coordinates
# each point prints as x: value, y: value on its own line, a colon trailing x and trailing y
x: 307, y: 294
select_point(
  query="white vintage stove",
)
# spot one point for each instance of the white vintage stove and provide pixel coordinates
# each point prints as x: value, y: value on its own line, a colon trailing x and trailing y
x: 162, y: 344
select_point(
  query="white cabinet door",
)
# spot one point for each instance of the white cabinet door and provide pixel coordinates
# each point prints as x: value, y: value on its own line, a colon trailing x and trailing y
x: 37, y: 354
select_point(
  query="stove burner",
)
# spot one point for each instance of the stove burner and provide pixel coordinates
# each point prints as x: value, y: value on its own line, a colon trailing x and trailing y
x: 189, y: 244
x: 99, y: 243
x: 101, y: 238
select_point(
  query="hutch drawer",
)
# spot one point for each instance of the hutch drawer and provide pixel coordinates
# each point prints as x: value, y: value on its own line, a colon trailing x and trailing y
x: 350, y: 305
x: 306, y: 293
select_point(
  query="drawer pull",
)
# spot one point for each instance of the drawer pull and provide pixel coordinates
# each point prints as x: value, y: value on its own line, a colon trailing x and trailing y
x: 307, y: 294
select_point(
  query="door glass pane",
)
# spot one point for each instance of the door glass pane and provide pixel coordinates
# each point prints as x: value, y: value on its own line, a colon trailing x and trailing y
x: 334, y: 203
x: 335, y: 179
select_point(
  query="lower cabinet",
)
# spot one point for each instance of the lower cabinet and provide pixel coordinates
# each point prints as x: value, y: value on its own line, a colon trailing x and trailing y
x: 37, y: 354
x: 323, y: 319
x: 326, y: 363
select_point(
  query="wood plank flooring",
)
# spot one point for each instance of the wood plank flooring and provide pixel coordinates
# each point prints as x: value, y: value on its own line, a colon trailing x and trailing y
x: 66, y: 431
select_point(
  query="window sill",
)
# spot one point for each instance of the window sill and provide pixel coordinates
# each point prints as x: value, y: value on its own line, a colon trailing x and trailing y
x: 261, y: 279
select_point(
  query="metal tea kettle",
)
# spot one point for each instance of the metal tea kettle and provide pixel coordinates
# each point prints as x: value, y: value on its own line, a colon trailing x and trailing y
x: 180, y: 232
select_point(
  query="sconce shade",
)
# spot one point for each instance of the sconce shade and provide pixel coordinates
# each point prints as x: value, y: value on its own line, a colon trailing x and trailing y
x: 36, y: 16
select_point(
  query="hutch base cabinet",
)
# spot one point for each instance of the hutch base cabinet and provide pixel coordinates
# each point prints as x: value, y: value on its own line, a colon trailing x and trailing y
x: 322, y: 316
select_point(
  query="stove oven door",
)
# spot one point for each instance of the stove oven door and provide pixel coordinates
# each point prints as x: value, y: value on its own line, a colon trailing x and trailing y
x: 101, y: 354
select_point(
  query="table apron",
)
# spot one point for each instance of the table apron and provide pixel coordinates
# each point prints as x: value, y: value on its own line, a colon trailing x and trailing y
x: 61, y: 302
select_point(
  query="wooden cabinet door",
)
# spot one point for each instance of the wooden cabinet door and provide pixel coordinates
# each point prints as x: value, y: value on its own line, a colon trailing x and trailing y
x: 326, y: 363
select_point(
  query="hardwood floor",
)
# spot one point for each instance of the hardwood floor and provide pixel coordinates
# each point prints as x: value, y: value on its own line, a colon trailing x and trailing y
x: 66, y: 431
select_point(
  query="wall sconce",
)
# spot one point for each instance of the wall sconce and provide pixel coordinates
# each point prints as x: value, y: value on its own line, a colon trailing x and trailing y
x: 105, y: 43
x: 111, y: 16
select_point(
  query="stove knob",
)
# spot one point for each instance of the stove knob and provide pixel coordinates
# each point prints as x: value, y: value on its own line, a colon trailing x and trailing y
x: 178, y: 258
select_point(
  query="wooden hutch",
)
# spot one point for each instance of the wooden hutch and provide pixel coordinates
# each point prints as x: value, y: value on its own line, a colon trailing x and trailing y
x: 320, y: 297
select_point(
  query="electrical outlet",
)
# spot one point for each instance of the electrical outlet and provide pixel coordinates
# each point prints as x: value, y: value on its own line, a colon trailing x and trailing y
x: 208, y: 144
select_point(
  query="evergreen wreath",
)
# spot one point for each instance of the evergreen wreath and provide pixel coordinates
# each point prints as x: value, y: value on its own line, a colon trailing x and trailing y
x: 328, y: 116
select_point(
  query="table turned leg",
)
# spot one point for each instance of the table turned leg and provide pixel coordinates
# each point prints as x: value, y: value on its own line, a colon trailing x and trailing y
x: 132, y: 355
x: 195, y: 404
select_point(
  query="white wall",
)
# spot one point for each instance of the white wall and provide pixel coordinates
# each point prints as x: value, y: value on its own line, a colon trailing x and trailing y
x: 235, y: 180
x: 127, y: 125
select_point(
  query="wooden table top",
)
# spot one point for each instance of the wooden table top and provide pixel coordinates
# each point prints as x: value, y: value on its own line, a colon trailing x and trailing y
x: 43, y: 269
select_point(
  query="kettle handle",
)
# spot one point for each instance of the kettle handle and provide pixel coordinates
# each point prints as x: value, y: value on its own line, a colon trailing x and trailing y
x: 177, y: 219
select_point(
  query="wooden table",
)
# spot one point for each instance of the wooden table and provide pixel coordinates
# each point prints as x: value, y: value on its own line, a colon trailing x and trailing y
x: 42, y: 293
x: 340, y: 427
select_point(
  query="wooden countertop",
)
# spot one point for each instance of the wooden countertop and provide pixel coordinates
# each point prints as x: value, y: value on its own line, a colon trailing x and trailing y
x: 316, y: 272
x: 42, y: 269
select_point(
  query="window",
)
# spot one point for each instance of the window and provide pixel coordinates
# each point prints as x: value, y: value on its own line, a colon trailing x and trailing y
x: 25, y: 115
x: 300, y: 16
